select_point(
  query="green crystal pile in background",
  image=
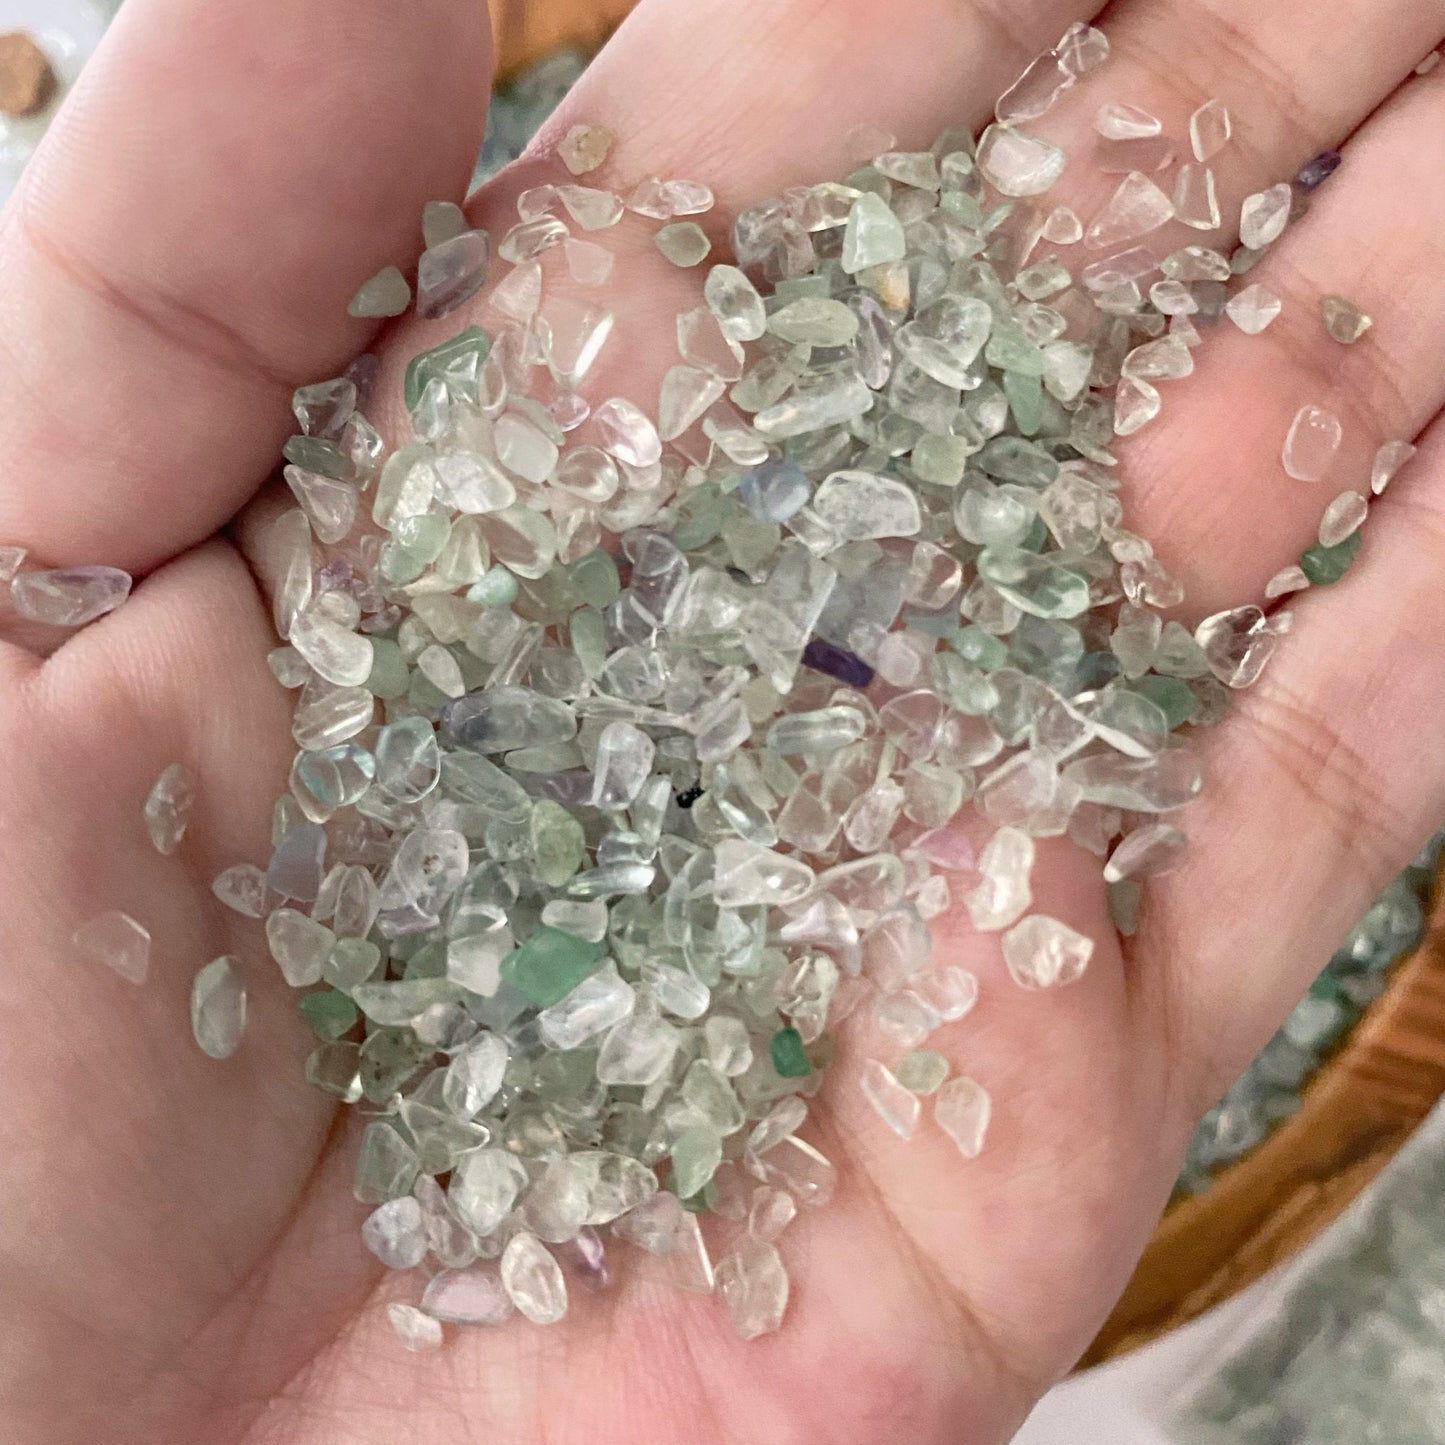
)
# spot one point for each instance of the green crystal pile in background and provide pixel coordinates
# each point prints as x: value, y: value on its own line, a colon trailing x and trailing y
x: 1353, y: 1355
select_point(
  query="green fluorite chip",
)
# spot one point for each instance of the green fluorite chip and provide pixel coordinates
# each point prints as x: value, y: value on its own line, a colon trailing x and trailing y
x: 330, y: 1014
x: 790, y: 1058
x: 457, y: 364
x: 1173, y: 697
x: 549, y: 965
x: 1323, y: 565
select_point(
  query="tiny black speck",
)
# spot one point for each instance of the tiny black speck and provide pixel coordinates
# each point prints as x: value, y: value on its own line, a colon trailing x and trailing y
x: 687, y: 799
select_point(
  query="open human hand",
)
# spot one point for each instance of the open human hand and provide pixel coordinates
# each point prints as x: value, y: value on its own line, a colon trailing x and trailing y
x: 178, y: 1257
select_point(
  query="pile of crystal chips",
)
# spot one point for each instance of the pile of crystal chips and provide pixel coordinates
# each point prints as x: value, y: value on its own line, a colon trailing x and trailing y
x: 639, y: 742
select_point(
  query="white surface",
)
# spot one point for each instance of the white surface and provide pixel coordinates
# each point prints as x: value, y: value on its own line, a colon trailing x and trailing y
x: 67, y: 31
x: 1127, y: 1403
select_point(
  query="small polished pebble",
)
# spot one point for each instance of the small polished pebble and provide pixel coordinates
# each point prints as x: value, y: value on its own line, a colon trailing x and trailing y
x: 1312, y: 444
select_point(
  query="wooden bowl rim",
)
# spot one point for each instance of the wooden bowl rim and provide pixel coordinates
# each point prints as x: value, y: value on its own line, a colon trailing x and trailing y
x: 1361, y: 1106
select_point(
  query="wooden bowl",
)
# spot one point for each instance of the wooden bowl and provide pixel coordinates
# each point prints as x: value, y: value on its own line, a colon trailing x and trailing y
x: 1358, y: 1110
x: 1361, y: 1106
x: 526, y: 30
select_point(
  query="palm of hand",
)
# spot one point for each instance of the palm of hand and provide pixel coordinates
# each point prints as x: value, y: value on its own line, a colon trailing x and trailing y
x: 185, y: 1230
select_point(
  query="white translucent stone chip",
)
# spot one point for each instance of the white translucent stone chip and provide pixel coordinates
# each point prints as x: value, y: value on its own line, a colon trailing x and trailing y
x: 11, y: 561
x: 896, y: 1106
x: 533, y: 1280
x: 1343, y: 518
x: 1253, y: 309
x: 584, y: 148
x: 1146, y: 852
x: 1264, y: 216
x: 1017, y: 164
x: 168, y: 808
x: 626, y: 432
x: 1286, y: 580
x: 472, y: 1296
x: 859, y: 506
x: 754, y: 1288
x: 1312, y: 443
x: 69, y: 596
x: 1388, y: 461
x: 395, y: 1233
x: 1238, y: 643
x: 1209, y: 130
x: 418, y: 1331
x: 118, y: 941
x: 963, y: 1109
x: 1081, y: 49
x: 1035, y: 92
x: 1137, y: 207
x: 218, y: 1008
x: 1042, y: 953
x: 1117, y: 121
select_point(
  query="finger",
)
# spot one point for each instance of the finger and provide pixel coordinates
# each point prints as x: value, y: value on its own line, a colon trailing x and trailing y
x: 1322, y: 784
x: 1371, y: 236
x: 203, y: 1161
x: 754, y: 96
x: 181, y: 252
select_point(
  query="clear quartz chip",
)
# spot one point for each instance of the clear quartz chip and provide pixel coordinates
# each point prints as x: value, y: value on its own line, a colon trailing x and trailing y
x: 1136, y: 208
x: 1312, y: 444
x: 1253, y: 309
x: 1239, y: 642
x: 1035, y: 92
x: 473, y: 1296
x: 395, y: 1233
x: 1343, y: 518
x: 1388, y: 461
x: 1018, y: 164
x: 1196, y: 200
x: 168, y: 808
x: 218, y: 1008
x: 1146, y: 852
x: 418, y: 1331
x: 1286, y: 580
x: 118, y: 941
x: 1042, y: 953
x: 1210, y: 128
x: 11, y: 561
x: 895, y: 1104
x: 1117, y: 121
x: 754, y: 1288
x: 533, y: 1280
x: 1082, y: 49
x: 1264, y: 216
x: 963, y: 1109
x: 69, y: 596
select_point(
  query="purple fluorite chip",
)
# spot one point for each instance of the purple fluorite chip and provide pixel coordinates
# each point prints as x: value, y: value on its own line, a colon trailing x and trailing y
x: 824, y: 656
x: 1319, y: 170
